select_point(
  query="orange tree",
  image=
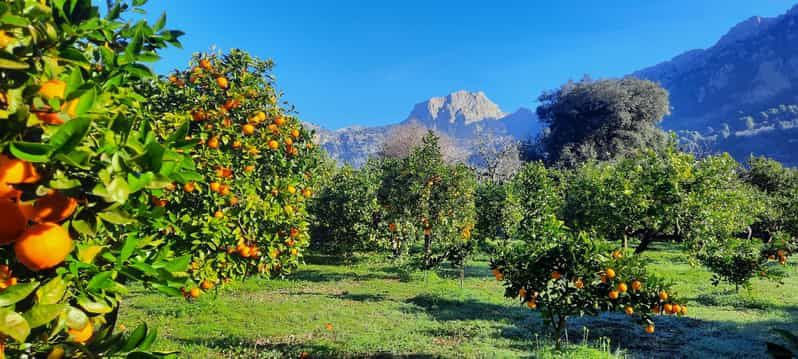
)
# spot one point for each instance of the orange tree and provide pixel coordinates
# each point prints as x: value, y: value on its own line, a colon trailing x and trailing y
x: 77, y: 163
x: 565, y: 274
x: 247, y: 214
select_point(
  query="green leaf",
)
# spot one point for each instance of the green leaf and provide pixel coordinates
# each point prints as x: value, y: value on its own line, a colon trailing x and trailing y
x: 116, y: 216
x: 179, y: 264
x: 130, y: 245
x: 16, y: 293
x: 14, y: 325
x: 93, y: 306
x: 138, y: 334
x: 86, y: 102
x: 69, y: 135
x: 102, y: 280
x: 12, y: 64
x: 31, y: 151
x: 52, y: 291
x: 160, y: 23
x: 41, y: 314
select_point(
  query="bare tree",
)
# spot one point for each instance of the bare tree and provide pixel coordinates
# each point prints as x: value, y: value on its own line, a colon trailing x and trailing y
x: 497, y: 157
x: 402, y: 139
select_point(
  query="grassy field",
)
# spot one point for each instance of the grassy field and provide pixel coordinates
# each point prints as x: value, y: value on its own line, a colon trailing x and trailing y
x: 375, y: 309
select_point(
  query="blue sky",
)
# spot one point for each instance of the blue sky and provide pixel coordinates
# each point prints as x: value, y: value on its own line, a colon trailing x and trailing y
x: 368, y: 62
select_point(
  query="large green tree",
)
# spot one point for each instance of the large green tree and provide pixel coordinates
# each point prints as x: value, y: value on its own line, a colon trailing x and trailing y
x: 601, y: 119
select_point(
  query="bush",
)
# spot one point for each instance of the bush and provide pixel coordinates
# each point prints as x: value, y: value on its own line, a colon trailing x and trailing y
x: 565, y: 274
x: 497, y: 215
x: 247, y: 213
x: 78, y: 163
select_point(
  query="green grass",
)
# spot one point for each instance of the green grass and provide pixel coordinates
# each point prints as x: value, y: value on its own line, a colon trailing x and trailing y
x: 379, y: 310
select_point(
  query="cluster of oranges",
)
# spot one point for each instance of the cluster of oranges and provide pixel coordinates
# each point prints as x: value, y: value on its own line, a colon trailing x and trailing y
x: 781, y: 255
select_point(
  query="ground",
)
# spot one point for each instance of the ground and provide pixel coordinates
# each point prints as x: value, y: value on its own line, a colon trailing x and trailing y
x: 375, y: 309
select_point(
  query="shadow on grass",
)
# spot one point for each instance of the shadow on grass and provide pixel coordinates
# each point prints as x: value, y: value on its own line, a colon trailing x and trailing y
x: 319, y: 276
x: 445, y: 309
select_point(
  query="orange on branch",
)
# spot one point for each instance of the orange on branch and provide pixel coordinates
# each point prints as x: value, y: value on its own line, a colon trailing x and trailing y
x: 613, y: 294
x: 189, y: 187
x: 274, y: 144
x: 622, y: 287
x: 629, y: 310
x: 15, y: 171
x: 13, y: 221
x: 54, y: 207
x: 222, y: 82
x: 610, y: 273
x: 248, y: 129
x: 213, y: 142
x: 82, y: 335
x: 650, y: 329
x: 636, y: 285
x: 663, y: 295
x: 53, y: 89
x: 43, y: 246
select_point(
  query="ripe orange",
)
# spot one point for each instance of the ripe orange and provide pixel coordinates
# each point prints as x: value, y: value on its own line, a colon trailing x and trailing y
x: 227, y: 122
x: 610, y: 273
x: 236, y: 144
x: 249, y: 168
x: 215, y: 186
x: 636, y: 285
x: 206, y: 284
x: 273, y: 128
x: 81, y: 335
x: 556, y: 275
x: 294, y: 252
x: 43, y: 246
x: 668, y: 308
x: 291, y: 189
x: 617, y: 254
x: 676, y: 309
x: 224, y: 190
x: 622, y: 287
x: 224, y: 172
x: 8, y: 192
x: 189, y: 187
x: 49, y: 118
x: 650, y: 329
x: 233, y: 201
x: 293, y: 233
x: 522, y: 293
x: 194, y: 292
x: 498, y: 274
x: 13, y: 221
x: 199, y: 115
x: 54, y: 207
x: 205, y: 64
x: 684, y: 310
x: 53, y: 89
x: 629, y: 310
x: 663, y: 295
x: 231, y: 104
x: 274, y: 144
x: 213, y: 142
x: 288, y: 141
x: 279, y: 121
x: 218, y: 214
x: 295, y: 133
x: 392, y: 228
x: 222, y: 82
x: 245, y: 252
x: 70, y: 107
x: 613, y: 294
x: 14, y: 171
x: 5, y: 40
x: 532, y: 304
x: 248, y: 129
x: 307, y: 192
x: 579, y: 284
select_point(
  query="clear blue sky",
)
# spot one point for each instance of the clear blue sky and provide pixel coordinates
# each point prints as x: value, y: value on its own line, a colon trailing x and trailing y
x: 368, y: 62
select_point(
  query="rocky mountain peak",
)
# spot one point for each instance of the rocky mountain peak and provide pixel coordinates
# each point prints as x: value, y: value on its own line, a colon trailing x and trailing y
x: 460, y: 108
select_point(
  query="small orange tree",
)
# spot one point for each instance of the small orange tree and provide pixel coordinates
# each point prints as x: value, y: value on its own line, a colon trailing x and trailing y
x: 566, y: 274
x: 248, y: 212
x: 77, y: 163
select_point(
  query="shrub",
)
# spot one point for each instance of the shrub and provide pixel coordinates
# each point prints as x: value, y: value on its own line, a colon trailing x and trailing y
x: 565, y: 274
x: 497, y: 215
x: 246, y: 214
x: 78, y: 163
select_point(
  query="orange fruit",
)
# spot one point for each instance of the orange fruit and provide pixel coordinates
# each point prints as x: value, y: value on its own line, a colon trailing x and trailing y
x: 245, y: 252
x: 279, y: 121
x: 556, y: 275
x: 189, y: 187
x: 54, y: 207
x: 194, y: 292
x: 676, y: 309
x: 224, y: 172
x: 14, y: 171
x: 273, y: 128
x: 206, y: 284
x: 231, y: 104
x: 49, y: 118
x: 218, y: 214
x: 291, y: 189
x: 294, y: 252
x: 613, y: 294
x: 498, y: 274
x: 13, y: 223
x: 610, y: 273
x: 205, y: 64
x: 622, y: 287
x: 5, y: 40
x: 295, y: 133
x: 288, y: 141
x: 224, y: 190
x: 294, y: 232
x: 222, y: 82
x: 654, y: 309
x: 213, y: 142
x: 70, y: 107
x: 522, y: 293
x: 629, y: 310
x: 216, y: 186
x: 8, y: 192
x: 532, y: 304
x: 81, y: 335
x: 663, y: 295
x: 650, y: 329
x: 579, y: 284
x: 199, y: 115
x: 636, y: 285
x: 236, y: 144
x: 249, y: 168
x: 307, y: 192
x: 392, y: 228
x: 684, y: 310
x: 668, y: 308
x: 53, y: 89
x: 43, y: 246
x: 248, y: 129
x: 233, y: 201
x: 617, y: 254
x: 274, y: 144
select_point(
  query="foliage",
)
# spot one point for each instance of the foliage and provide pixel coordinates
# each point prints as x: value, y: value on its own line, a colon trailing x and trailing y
x: 345, y: 212
x: 570, y: 274
x: 778, y: 189
x: 601, y: 119
x: 247, y: 213
x: 79, y: 158
x: 497, y: 215
x: 423, y: 196
x: 537, y: 192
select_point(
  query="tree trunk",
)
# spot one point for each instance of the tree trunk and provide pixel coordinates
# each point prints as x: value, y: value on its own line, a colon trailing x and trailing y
x: 427, y: 250
x: 558, y: 332
x: 462, y: 274
x: 644, y: 243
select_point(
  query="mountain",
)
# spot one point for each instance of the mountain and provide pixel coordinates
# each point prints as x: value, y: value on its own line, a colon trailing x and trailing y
x: 462, y: 115
x: 751, y: 70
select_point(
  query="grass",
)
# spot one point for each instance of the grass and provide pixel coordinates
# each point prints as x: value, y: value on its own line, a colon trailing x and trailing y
x: 379, y: 310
